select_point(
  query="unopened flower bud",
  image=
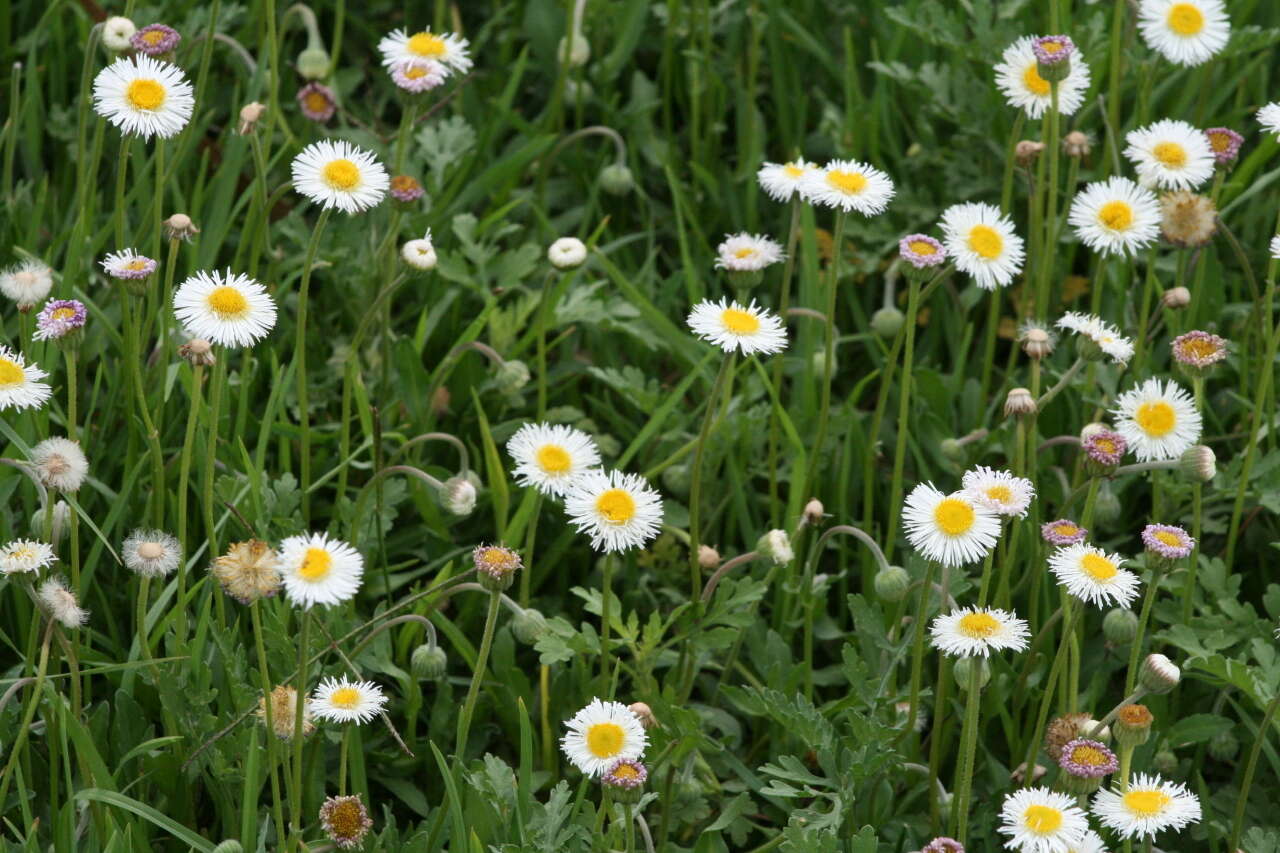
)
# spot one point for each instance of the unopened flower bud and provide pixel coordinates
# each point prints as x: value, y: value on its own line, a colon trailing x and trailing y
x: 1077, y: 144
x: 229, y: 846
x: 458, y: 496
x: 1037, y: 342
x: 180, y: 227
x: 250, y: 114
x: 708, y: 557
x: 892, y: 583
x: 61, y: 518
x: 887, y: 321
x: 1120, y: 626
x: 814, y: 512
x: 964, y: 667
x: 429, y: 662
x: 1133, y: 725
x: 1165, y: 762
x: 1224, y: 745
x: 528, y: 626
x: 567, y: 253
x: 677, y: 479
x: 1176, y: 298
x: 313, y: 63
x: 953, y: 449
x: 776, y: 546
x: 644, y: 714
x: 1027, y: 151
x: 511, y: 376
x: 1019, y: 403
x: 616, y: 179
x: 1198, y: 464
x: 1159, y: 674
x: 1106, y: 507
x: 117, y: 33
x: 574, y: 50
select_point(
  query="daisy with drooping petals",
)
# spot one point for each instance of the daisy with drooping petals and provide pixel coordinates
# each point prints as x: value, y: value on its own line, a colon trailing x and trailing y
x: 1269, y: 117
x: 1149, y: 805
x: 59, y: 319
x: 780, y: 181
x: 445, y: 48
x: 318, y: 570
x: 1116, y: 216
x: 27, y: 284
x: 747, y: 252
x: 1093, y: 575
x: 62, y: 604
x: 1167, y: 541
x: 601, y: 735
x: 972, y: 631
x: 1101, y: 333
x: 338, y: 174
x: 128, y: 264
x: 1159, y: 420
x: 734, y: 326
x: 143, y: 97
x: 999, y: 491
x: 551, y: 457
x: 1018, y: 78
x: 1170, y: 154
x: 981, y: 241
x: 1038, y: 820
x: 25, y: 555
x: 227, y: 308
x: 20, y: 385
x: 1198, y: 349
x: 1064, y: 531
x: 344, y: 701
x: 848, y: 185
x: 618, y: 511
x: 950, y: 529
x: 1185, y: 32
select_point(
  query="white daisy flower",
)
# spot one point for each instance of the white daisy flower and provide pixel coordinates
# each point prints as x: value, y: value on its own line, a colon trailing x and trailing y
x: 1038, y: 820
x: 1170, y: 154
x: 144, y: 97
x: 848, y: 185
x: 1106, y: 336
x: 27, y: 284
x: 619, y: 511
x: 982, y: 242
x: 567, y: 253
x: 971, y: 631
x: 25, y: 555
x: 551, y: 457
x: 128, y: 264
x: 1116, y: 217
x: 1269, y: 118
x: 1094, y: 576
x: 1158, y: 420
x: 60, y: 464
x: 1149, y: 805
x: 226, y: 308
x: 421, y: 253
x: 1185, y: 32
x: 747, y: 252
x: 601, y: 734
x: 1018, y: 78
x: 318, y: 570
x: 1091, y: 843
x: 344, y: 701
x: 734, y: 326
x: 999, y: 491
x: 62, y: 604
x: 446, y: 48
x: 20, y: 385
x: 338, y: 174
x: 781, y: 181
x: 950, y: 529
x: 151, y: 553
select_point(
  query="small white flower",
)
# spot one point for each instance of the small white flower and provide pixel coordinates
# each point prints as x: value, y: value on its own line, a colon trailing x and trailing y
x: 1269, y: 118
x: 446, y: 48
x: 1116, y: 217
x: 982, y: 242
x: 972, y: 631
x: 734, y: 326
x: 1171, y: 155
x: 60, y: 464
x: 747, y: 252
x: 20, y: 385
x: 226, y: 308
x: 1102, y: 333
x: 27, y: 284
x: 1158, y: 420
x: 567, y: 253
x: 601, y: 734
x: 1094, y: 576
x: 128, y: 264
x: 151, y: 553
x: 143, y: 97
x: 338, y: 174
x: 318, y: 570
x: 116, y: 32
x: 1149, y: 805
x: 344, y: 701
x: 1018, y: 78
x: 776, y: 545
x: 619, y: 511
x: 551, y: 457
x: 950, y: 529
x: 1185, y: 32
x: 421, y: 253
x: 62, y: 604
x: 25, y: 555
x: 999, y: 491
x: 1038, y: 820
x: 781, y: 181
x: 848, y: 185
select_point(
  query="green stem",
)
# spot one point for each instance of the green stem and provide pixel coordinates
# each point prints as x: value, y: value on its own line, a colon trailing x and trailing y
x: 968, y: 751
x: 211, y: 451
x: 482, y: 660
x: 299, y: 717
x: 184, y: 476
x: 342, y: 760
x: 1113, y: 87
x: 606, y: 592
x: 695, y: 485
x: 1135, y: 651
x: 1246, y: 782
x: 70, y: 355
x: 1049, y: 249
x: 784, y: 302
x: 1050, y: 683
x: 37, y: 692
x: 264, y: 674
x: 543, y: 307
x: 917, y: 649
x: 904, y: 413
x: 824, y: 408
x: 300, y: 364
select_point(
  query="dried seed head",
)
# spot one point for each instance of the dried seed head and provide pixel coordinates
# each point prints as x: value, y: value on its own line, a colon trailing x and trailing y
x: 1037, y: 341
x: 1019, y: 403
x: 1077, y: 144
x: 198, y: 352
x: 814, y: 511
x: 345, y: 820
x: 708, y: 557
x: 1061, y: 732
x: 248, y: 571
x: 1176, y: 298
x: 284, y: 711
x: 250, y: 114
x: 1027, y: 152
x: 180, y: 227
x: 1188, y: 219
x: 644, y: 714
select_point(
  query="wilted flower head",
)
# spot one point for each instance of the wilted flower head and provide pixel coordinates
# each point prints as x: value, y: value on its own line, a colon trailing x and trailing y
x: 625, y: 773
x: 152, y: 553
x: 1187, y: 219
x: 248, y: 571
x: 405, y: 188
x: 1027, y: 151
x: 180, y: 227
x: 1104, y: 447
x: 776, y: 546
x: 155, y: 39
x: 27, y: 283
x: 495, y: 566
x: 1197, y: 350
x: 1175, y: 298
x: 1225, y: 144
x: 345, y: 820
x: 1077, y: 144
x: 284, y: 713
x: 317, y: 102
x: 1167, y: 541
x: 62, y: 604
x: 198, y: 352
x: 250, y: 114
x: 61, y: 320
x: 421, y: 253
x: 60, y: 464
x: 1019, y: 402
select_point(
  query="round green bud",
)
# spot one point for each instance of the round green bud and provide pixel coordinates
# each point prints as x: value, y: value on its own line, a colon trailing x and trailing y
x: 1106, y: 507
x: 892, y: 583
x: 1224, y: 746
x: 1120, y: 626
x: 964, y: 666
x: 617, y: 179
x: 229, y: 846
x: 676, y: 479
x: 888, y: 321
x: 428, y: 662
x: 1165, y: 762
x: 574, y: 50
x: 953, y: 449
x: 313, y: 63
x: 511, y: 376
x: 528, y: 626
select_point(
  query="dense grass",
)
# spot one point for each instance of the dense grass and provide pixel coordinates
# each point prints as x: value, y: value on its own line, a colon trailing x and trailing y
x: 781, y: 699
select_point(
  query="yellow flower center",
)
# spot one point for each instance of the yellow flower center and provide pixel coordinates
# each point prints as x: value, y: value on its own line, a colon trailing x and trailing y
x: 920, y: 247
x: 413, y: 72
x: 604, y: 740
x: 1106, y: 445
x: 1050, y: 46
x: 62, y: 313
x: 1185, y: 19
x: 341, y: 174
x: 1170, y: 539
x: 316, y: 565
x: 23, y: 553
x: 1116, y: 215
x: 136, y: 264
x: 1000, y: 494
x: 849, y: 183
x: 1171, y: 154
x: 426, y: 44
x: 954, y: 516
x: 979, y: 626
x: 793, y: 172
x: 1097, y: 567
x: 1066, y: 529
x: 1156, y: 418
x: 740, y: 322
x: 345, y: 820
x: 616, y: 505
x: 986, y: 241
x: 553, y: 459
x: 1198, y: 348
x: 1218, y: 141
x: 1089, y: 756
x: 317, y: 102
x: 153, y: 37
x: 345, y: 697
x: 495, y: 558
x: 10, y: 373
x: 1146, y: 803
x: 626, y: 771
x: 1042, y: 820
x: 145, y: 94
x: 745, y: 252
x: 1034, y: 82
x: 227, y: 302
